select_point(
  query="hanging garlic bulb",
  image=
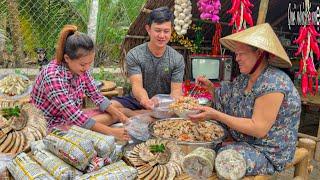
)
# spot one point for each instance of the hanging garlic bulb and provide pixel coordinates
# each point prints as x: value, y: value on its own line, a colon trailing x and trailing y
x: 182, y: 14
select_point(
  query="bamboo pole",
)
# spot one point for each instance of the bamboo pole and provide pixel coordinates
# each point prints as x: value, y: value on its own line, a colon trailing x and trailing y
x: 301, y: 168
x: 309, y: 145
x: 302, y: 135
x: 263, y: 9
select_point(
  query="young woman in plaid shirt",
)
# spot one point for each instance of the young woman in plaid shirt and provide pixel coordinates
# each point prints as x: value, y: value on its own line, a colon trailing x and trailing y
x: 61, y: 85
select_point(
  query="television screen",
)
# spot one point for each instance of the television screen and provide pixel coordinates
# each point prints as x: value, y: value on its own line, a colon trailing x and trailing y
x: 209, y: 67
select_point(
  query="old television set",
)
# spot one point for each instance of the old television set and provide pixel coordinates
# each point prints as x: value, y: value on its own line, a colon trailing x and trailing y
x: 215, y: 68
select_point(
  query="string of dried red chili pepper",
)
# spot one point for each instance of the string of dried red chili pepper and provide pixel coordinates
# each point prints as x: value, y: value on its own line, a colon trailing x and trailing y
x: 215, y: 40
x: 241, y: 15
x: 308, y: 45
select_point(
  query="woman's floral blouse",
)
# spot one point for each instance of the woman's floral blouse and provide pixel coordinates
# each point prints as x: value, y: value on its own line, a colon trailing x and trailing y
x: 278, y: 146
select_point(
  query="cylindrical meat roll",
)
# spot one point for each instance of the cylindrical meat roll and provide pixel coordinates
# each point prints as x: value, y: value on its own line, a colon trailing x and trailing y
x: 199, y: 163
x: 230, y: 164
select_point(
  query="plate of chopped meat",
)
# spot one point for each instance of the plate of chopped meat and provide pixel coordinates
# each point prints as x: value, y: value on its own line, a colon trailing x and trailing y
x: 185, y: 132
x: 183, y: 106
x: 14, y: 86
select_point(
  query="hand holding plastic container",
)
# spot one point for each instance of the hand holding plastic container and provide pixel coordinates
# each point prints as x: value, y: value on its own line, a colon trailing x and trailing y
x: 161, y: 106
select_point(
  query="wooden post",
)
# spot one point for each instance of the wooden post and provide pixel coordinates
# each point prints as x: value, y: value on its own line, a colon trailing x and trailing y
x: 308, y: 144
x: 263, y: 9
x: 120, y: 91
x: 317, y: 151
x: 301, y: 168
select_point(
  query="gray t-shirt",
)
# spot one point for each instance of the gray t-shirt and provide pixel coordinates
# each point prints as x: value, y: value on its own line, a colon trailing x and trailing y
x: 157, y: 73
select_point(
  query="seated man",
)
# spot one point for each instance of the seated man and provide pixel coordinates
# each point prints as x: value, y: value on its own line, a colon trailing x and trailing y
x: 153, y: 67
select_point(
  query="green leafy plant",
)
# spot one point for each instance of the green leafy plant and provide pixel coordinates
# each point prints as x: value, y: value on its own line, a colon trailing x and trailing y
x: 10, y: 112
x: 19, y: 72
x: 198, y: 39
x: 101, y: 75
x: 157, y: 148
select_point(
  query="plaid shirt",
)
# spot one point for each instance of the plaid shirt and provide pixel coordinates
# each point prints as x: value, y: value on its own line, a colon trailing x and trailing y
x: 59, y: 94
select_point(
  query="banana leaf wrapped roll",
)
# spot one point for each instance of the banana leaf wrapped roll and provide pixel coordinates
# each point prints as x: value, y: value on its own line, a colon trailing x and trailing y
x: 103, y: 144
x: 115, y: 171
x: 55, y: 166
x: 71, y: 148
x: 22, y: 167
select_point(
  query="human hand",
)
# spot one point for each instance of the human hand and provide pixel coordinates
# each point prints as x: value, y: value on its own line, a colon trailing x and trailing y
x: 206, y: 113
x: 155, y: 101
x: 204, y: 83
x: 124, y: 119
x: 147, y: 103
x: 120, y: 134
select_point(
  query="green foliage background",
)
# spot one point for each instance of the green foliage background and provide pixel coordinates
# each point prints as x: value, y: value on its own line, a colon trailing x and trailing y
x: 42, y: 20
x: 114, y: 19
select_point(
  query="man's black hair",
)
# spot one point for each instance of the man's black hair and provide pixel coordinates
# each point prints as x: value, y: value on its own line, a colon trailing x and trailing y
x: 160, y: 15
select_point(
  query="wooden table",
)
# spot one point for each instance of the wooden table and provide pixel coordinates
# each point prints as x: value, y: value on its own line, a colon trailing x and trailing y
x: 107, y: 86
x: 108, y: 89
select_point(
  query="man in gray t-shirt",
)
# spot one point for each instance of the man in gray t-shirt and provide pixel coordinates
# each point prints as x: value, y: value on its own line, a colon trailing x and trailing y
x: 153, y: 67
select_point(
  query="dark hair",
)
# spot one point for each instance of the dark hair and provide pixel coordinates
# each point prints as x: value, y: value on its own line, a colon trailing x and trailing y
x: 160, y: 15
x: 73, y: 43
x: 253, y: 48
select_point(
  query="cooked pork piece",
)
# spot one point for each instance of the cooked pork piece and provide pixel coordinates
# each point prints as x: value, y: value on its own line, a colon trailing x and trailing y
x: 185, y: 130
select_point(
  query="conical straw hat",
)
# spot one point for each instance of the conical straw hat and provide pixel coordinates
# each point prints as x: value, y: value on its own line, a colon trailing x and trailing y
x: 263, y: 37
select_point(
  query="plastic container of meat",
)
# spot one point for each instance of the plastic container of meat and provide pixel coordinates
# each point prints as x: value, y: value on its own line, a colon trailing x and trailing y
x: 162, y: 100
x: 162, y: 113
x: 161, y: 109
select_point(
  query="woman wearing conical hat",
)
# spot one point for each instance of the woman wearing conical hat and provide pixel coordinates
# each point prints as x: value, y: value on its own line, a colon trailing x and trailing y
x: 261, y: 107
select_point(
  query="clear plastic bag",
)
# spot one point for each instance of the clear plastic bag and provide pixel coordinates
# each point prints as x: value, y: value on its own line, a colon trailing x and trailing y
x: 4, y: 160
x: 137, y: 127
